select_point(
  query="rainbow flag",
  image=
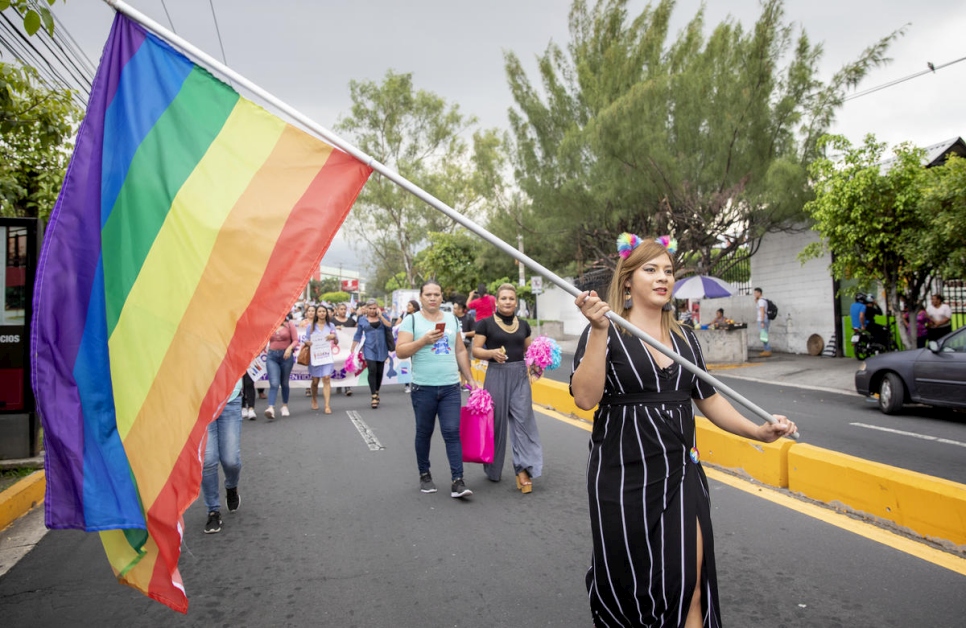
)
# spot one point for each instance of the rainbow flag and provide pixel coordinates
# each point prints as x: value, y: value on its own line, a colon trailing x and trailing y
x: 189, y: 221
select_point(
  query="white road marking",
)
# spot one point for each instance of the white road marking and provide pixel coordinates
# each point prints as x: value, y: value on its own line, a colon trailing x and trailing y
x: 365, y: 431
x: 945, y: 441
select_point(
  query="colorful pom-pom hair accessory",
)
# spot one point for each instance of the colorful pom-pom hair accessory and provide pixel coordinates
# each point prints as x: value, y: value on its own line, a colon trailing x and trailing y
x: 627, y: 242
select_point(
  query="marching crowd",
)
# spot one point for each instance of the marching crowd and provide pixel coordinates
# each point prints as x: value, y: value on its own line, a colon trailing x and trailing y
x: 647, y: 492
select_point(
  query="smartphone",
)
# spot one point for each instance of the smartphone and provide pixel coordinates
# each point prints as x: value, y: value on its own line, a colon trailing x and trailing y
x: 441, y: 328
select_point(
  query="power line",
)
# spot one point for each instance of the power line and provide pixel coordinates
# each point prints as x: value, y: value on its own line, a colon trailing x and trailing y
x: 931, y: 69
x: 168, y: 15
x: 22, y: 47
x: 218, y: 32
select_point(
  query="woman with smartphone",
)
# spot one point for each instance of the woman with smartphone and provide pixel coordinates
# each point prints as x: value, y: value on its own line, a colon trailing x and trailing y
x: 503, y: 339
x: 432, y: 339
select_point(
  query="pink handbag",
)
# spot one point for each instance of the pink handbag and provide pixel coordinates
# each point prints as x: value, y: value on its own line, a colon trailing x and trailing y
x: 476, y: 435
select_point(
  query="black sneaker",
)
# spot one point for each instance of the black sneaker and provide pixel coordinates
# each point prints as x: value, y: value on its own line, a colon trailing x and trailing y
x: 214, y: 522
x: 459, y: 489
x: 233, y: 499
x: 426, y: 483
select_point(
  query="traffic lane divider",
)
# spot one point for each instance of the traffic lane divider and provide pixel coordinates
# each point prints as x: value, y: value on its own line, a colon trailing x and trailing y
x: 932, y: 507
x: 766, y: 462
x: 21, y: 497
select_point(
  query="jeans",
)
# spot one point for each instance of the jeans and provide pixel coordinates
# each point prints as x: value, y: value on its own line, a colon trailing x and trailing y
x: 444, y: 401
x: 279, y: 370
x: 767, y: 324
x: 224, y: 445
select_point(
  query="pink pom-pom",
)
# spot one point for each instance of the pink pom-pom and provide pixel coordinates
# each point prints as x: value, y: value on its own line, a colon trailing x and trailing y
x: 355, y: 363
x: 480, y: 402
x: 542, y: 354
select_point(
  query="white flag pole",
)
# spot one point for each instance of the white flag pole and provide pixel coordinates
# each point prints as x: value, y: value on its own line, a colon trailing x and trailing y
x: 417, y: 191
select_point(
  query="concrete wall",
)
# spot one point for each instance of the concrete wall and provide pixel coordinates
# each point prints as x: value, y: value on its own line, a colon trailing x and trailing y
x: 803, y: 293
x: 723, y: 347
x: 556, y: 305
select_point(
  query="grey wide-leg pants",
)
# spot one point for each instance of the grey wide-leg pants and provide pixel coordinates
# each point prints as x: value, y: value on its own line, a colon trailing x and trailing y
x: 509, y: 386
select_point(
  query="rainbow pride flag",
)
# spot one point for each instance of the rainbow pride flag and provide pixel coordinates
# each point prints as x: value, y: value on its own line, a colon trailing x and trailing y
x: 189, y: 221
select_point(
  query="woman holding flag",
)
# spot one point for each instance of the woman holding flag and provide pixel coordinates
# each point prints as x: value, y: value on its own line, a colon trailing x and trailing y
x: 653, y: 559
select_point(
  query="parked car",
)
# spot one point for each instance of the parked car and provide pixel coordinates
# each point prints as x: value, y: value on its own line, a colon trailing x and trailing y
x: 935, y: 375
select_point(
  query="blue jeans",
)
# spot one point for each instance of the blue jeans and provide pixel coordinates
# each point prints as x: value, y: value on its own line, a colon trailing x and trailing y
x: 767, y: 323
x: 279, y: 370
x: 428, y: 403
x: 224, y: 445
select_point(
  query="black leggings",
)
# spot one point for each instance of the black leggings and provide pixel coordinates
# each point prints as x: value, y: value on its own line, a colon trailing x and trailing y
x: 248, y: 391
x: 375, y: 375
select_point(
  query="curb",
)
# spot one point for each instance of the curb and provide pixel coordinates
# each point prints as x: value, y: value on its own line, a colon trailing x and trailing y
x: 930, y: 507
x: 21, y: 497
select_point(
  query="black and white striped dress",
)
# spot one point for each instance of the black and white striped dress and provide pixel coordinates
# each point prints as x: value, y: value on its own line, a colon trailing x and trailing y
x: 647, y: 490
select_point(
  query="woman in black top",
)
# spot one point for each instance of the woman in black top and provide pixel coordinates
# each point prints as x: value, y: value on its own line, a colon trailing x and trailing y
x: 502, y: 339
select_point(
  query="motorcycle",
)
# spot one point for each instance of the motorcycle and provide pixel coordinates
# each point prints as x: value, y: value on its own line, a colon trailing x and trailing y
x: 869, y: 342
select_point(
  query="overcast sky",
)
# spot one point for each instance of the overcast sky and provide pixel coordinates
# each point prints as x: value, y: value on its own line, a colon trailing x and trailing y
x: 306, y: 52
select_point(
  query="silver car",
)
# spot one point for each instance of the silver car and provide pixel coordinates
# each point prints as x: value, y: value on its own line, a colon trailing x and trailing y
x: 935, y: 375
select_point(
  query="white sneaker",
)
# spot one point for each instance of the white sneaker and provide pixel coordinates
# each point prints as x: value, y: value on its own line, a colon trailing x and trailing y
x: 251, y: 414
x: 270, y: 413
x: 284, y: 410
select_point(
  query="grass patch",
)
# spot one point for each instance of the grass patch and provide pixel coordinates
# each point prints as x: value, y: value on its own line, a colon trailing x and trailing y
x: 9, y: 477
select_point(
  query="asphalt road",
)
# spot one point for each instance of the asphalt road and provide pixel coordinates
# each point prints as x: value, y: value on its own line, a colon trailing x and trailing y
x: 332, y: 533
x: 923, y: 439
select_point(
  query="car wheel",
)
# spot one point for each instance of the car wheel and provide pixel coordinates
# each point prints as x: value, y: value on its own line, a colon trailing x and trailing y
x: 891, y: 393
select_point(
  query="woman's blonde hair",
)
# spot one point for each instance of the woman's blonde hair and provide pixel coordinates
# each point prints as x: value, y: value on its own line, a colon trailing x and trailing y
x: 506, y: 286
x: 644, y: 252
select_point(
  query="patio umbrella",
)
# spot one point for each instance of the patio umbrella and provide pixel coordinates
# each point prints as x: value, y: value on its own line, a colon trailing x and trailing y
x: 702, y: 287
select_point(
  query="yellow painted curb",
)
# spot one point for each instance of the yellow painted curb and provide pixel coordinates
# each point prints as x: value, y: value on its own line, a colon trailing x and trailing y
x: 930, y: 506
x: 766, y: 462
x: 21, y: 497
x: 556, y: 395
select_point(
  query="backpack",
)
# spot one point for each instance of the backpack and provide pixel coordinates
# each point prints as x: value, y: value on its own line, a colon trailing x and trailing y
x: 771, y: 310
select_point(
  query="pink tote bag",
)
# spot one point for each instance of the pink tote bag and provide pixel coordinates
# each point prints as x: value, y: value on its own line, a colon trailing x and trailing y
x: 476, y: 436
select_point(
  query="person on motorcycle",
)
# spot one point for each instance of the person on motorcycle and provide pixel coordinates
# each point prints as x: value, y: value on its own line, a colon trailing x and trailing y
x: 880, y: 333
x: 857, y: 313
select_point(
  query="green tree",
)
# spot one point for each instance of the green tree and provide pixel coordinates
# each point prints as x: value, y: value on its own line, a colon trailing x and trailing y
x: 451, y: 259
x: 869, y: 214
x: 36, y: 127
x: 34, y: 14
x: 944, y: 201
x: 335, y: 297
x: 421, y: 136
x: 704, y: 137
x: 318, y: 287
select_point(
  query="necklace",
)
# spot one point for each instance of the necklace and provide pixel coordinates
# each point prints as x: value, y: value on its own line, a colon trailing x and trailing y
x: 510, y: 329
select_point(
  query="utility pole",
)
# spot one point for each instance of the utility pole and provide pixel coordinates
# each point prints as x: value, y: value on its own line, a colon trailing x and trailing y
x: 523, y: 276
